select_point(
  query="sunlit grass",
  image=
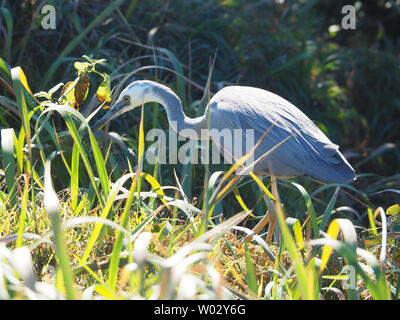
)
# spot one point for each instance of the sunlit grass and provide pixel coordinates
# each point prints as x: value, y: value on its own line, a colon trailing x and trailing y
x: 83, y: 217
x: 132, y: 237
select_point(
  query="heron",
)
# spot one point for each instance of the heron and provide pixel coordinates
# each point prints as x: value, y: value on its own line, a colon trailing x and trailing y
x: 305, y: 151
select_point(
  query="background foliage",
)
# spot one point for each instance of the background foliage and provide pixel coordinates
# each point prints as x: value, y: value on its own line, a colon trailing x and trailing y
x: 346, y: 81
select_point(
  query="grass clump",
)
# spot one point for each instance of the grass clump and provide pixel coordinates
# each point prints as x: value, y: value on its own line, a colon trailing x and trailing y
x: 82, y: 216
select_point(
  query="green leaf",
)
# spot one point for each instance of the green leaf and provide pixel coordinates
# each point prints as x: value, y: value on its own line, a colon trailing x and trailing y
x: 19, y: 81
x: 96, y: 232
x: 329, y: 209
x: 250, y: 270
x: 66, y: 112
x: 5, y: 72
x: 51, y: 204
x: 310, y: 208
x: 392, y: 210
x: 81, y: 66
x: 22, y: 215
x: 100, y: 165
x: 7, y: 152
x: 306, y: 287
x: 9, y: 23
x: 104, y: 90
x: 295, y: 225
x: 74, y: 177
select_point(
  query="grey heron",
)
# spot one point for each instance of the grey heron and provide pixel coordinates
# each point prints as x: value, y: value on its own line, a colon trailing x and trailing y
x: 308, y: 151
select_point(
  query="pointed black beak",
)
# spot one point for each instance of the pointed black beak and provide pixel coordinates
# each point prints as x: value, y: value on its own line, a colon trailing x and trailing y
x: 115, y: 111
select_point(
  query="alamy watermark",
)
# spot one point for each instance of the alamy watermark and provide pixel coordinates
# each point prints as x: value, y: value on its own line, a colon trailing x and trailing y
x: 49, y: 18
x: 350, y: 281
x: 205, y: 146
x: 348, y: 21
x: 349, y: 18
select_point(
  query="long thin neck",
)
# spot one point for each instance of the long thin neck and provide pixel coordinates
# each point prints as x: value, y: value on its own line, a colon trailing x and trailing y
x: 183, y: 125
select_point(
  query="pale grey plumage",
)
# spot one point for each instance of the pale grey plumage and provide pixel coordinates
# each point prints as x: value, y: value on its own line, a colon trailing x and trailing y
x: 307, y: 152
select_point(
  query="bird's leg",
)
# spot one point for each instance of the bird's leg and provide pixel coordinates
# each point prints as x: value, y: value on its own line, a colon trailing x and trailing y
x: 272, y: 209
x: 268, y: 217
x: 271, y: 215
x: 262, y: 222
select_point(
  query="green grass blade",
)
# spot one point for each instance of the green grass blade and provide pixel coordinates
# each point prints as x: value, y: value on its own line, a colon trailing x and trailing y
x: 310, y: 208
x: 178, y: 68
x: 95, y: 234
x: 328, y: 211
x: 115, y: 257
x: 74, y: 177
x: 9, y: 23
x: 294, y: 224
x: 17, y: 78
x: 7, y: 152
x: 306, y: 287
x: 66, y: 112
x: 22, y: 215
x: 100, y: 164
x: 250, y: 270
x: 51, y: 204
x: 5, y: 72
x: 114, y: 263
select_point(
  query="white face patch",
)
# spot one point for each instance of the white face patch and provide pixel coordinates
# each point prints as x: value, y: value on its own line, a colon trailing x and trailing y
x: 138, y: 92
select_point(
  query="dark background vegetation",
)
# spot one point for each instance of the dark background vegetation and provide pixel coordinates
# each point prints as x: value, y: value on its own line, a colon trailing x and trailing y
x: 347, y: 81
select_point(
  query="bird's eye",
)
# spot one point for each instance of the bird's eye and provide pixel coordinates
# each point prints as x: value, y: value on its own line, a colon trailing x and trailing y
x: 126, y: 98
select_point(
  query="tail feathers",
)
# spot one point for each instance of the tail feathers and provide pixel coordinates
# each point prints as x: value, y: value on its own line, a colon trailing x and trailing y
x: 336, y: 169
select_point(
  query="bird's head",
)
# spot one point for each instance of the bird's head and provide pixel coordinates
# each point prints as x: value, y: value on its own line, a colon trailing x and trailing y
x: 134, y: 95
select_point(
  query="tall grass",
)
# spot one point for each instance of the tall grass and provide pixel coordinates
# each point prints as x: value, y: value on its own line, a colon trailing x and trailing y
x: 84, y: 217
x: 114, y: 242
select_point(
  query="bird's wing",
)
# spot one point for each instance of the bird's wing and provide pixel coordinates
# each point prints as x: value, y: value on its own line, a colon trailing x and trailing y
x: 235, y: 113
x: 251, y: 108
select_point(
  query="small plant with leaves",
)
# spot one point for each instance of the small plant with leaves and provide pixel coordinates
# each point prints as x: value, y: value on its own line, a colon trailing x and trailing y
x: 75, y: 92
